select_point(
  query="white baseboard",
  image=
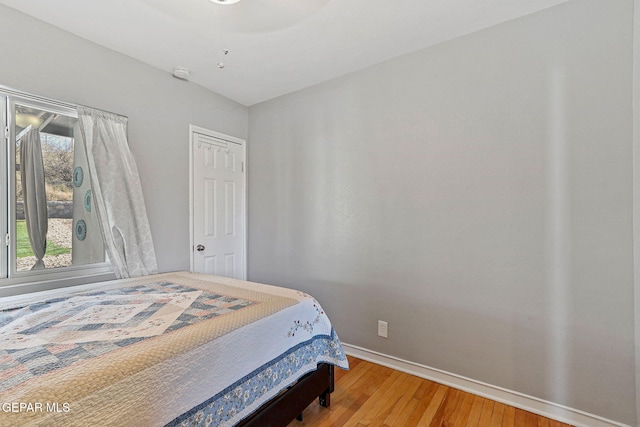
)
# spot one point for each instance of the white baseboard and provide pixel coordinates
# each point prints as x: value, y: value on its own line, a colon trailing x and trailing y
x: 522, y: 401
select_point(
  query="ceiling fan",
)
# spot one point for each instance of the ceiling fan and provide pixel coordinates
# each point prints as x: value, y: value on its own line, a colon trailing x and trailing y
x: 254, y: 16
x: 259, y: 16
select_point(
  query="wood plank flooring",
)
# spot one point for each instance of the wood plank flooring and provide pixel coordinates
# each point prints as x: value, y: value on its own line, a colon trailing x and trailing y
x: 373, y: 395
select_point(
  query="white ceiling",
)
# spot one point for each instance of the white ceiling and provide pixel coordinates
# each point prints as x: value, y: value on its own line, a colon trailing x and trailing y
x: 275, y: 46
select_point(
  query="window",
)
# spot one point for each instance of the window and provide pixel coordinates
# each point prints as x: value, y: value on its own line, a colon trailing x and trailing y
x: 51, y: 229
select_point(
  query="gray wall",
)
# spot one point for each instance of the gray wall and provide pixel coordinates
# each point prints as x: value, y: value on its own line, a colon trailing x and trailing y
x: 636, y: 188
x: 476, y: 195
x: 40, y: 59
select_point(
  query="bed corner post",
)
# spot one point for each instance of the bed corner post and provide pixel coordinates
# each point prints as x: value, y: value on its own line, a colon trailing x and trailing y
x: 325, y: 398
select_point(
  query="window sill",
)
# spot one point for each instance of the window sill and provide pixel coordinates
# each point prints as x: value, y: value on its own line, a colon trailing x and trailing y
x: 46, y: 280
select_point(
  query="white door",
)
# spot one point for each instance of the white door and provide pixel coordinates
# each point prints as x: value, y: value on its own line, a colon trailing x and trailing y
x: 218, y: 204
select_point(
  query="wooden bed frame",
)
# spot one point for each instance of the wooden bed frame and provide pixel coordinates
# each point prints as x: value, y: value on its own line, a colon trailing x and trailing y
x: 288, y: 405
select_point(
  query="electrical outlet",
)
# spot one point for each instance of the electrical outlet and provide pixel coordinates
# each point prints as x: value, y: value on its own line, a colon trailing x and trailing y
x: 383, y: 329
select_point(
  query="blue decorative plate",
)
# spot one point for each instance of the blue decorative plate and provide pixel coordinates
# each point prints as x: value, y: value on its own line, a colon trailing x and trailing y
x: 81, y: 229
x: 78, y: 176
x: 87, y: 201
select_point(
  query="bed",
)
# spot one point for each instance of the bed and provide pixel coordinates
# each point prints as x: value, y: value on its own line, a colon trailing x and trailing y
x: 174, y: 349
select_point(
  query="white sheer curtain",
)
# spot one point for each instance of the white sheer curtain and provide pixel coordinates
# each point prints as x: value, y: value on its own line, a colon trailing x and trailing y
x: 117, y: 193
x: 87, y: 242
x: 34, y: 196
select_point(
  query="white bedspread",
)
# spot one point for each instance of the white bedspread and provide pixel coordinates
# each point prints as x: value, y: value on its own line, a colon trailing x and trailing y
x: 265, y: 338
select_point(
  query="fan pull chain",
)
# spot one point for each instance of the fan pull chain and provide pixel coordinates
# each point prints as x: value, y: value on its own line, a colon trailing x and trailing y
x: 224, y: 51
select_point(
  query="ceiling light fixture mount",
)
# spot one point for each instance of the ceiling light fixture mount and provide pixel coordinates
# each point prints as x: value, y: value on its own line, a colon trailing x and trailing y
x: 225, y: 1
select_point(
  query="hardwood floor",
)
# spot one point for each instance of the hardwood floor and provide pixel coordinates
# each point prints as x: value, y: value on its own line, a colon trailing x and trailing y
x: 373, y: 395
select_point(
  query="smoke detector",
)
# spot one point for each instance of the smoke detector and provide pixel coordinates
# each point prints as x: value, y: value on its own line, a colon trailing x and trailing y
x: 181, y: 73
x: 225, y: 1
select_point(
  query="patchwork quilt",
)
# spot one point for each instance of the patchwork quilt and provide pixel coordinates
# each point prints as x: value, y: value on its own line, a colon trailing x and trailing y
x: 170, y: 349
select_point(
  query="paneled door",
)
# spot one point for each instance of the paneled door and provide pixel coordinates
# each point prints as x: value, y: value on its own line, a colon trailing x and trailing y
x: 218, y: 204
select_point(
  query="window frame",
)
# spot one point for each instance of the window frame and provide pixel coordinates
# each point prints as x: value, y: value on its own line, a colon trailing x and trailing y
x: 11, y: 280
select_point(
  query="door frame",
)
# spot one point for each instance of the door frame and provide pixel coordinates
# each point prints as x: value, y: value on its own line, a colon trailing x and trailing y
x: 243, y: 143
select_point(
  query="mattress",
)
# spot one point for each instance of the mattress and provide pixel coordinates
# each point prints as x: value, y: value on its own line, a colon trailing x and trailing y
x: 168, y: 349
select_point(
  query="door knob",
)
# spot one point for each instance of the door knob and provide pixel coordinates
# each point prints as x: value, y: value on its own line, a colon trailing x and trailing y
x: 199, y: 248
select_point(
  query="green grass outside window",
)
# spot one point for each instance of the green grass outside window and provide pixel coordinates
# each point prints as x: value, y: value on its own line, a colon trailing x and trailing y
x: 23, y: 247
